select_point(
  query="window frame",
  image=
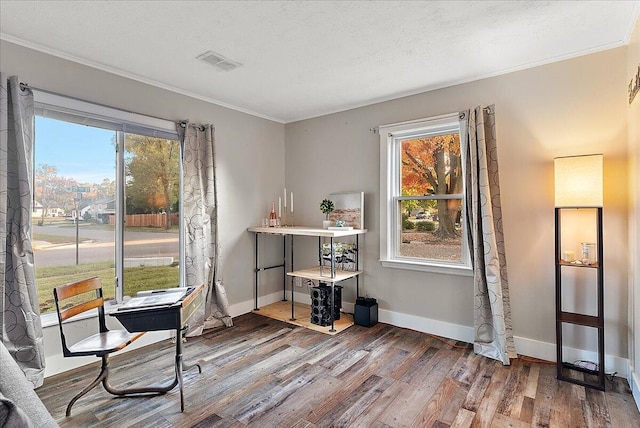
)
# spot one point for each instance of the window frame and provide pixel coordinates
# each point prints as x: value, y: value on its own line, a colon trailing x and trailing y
x: 50, y: 105
x: 391, y: 138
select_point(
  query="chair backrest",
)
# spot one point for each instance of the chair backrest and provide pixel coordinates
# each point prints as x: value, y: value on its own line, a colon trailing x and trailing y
x: 76, y: 298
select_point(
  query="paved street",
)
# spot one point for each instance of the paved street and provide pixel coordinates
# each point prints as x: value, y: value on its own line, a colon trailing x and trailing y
x: 99, y: 245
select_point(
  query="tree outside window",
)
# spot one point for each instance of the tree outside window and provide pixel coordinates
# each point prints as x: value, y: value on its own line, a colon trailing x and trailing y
x: 423, y: 222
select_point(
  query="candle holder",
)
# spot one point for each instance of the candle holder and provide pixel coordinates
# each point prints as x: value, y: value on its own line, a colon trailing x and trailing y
x: 287, y: 218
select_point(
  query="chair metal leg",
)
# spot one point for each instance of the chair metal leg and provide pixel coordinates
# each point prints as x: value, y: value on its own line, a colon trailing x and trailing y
x: 154, y: 389
x: 104, y: 378
x: 101, y: 378
x: 186, y: 367
x: 159, y: 389
x: 180, y: 367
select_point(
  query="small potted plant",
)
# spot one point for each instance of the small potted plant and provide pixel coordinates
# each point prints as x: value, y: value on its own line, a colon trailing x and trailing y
x: 327, y: 207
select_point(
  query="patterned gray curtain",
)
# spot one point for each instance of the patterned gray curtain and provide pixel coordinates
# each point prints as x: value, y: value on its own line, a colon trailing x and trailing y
x: 200, y: 216
x: 492, y: 309
x: 20, y: 326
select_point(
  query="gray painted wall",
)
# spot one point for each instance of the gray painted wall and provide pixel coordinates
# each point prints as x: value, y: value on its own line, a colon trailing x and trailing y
x: 567, y: 108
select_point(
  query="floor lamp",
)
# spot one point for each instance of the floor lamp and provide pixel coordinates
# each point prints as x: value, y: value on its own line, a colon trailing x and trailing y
x: 578, y: 186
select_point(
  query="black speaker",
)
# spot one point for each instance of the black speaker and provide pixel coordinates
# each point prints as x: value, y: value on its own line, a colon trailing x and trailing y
x: 321, y: 304
x: 365, y: 312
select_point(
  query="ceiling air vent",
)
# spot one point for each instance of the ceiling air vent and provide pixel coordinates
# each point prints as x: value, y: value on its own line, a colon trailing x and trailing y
x: 218, y: 61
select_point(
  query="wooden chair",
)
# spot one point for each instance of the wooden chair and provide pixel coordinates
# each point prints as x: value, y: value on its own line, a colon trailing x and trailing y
x: 77, y: 298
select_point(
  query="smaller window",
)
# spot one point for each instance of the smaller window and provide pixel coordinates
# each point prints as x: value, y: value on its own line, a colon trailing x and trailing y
x: 422, y: 223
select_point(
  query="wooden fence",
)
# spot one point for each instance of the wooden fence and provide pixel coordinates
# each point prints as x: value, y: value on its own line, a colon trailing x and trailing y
x: 146, y: 220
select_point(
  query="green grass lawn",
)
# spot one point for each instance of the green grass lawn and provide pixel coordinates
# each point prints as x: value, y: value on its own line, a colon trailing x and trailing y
x: 135, y: 279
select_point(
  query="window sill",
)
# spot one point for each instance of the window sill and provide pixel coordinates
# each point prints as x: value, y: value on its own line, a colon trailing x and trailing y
x: 428, y: 267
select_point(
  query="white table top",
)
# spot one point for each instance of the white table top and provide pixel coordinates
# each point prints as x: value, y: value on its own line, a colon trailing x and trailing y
x: 306, y: 231
x: 324, y: 274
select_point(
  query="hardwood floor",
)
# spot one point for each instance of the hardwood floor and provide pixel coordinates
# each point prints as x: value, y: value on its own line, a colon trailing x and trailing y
x: 266, y: 373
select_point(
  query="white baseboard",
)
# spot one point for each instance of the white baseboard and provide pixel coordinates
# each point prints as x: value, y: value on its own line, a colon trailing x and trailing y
x: 426, y: 325
x: 524, y: 346
x: 634, y: 384
x: 547, y: 351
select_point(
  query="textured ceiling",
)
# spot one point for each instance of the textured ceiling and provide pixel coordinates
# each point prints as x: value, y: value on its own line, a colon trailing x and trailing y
x: 302, y: 59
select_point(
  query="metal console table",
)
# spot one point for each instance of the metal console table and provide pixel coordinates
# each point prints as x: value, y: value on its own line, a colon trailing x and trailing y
x: 333, y: 275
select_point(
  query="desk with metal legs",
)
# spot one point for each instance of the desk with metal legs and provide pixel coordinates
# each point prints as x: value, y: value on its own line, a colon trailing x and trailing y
x: 174, y: 316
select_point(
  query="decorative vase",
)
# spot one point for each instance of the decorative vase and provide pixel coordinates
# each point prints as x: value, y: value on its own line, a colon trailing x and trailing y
x: 326, y: 224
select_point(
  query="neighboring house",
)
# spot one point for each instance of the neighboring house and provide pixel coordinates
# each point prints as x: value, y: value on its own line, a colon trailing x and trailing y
x: 37, y: 209
x: 100, y: 209
x: 40, y: 211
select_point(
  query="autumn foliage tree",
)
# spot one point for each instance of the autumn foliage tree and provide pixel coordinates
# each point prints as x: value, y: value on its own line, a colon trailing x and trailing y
x: 432, y: 166
x: 152, y: 170
x: 53, y: 191
x: 106, y: 189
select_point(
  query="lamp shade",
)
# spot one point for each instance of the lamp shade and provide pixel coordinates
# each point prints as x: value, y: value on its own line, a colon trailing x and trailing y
x: 578, y: 181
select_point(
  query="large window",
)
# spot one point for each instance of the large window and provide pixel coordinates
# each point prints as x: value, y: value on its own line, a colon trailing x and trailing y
x: 422, y: 194
x: 106, y: 199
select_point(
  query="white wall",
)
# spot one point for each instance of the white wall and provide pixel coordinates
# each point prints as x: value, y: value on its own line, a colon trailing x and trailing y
x: 568, y: 108
x: 249, y: 150
x: 633, y: 115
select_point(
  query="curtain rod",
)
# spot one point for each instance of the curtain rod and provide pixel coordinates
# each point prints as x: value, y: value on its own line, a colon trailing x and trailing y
x: 24, y: 86
x: 375, y: 129
x: 184, y: 123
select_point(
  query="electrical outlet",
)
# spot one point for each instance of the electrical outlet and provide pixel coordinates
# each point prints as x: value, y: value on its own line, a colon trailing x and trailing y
x: 298, y: 281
